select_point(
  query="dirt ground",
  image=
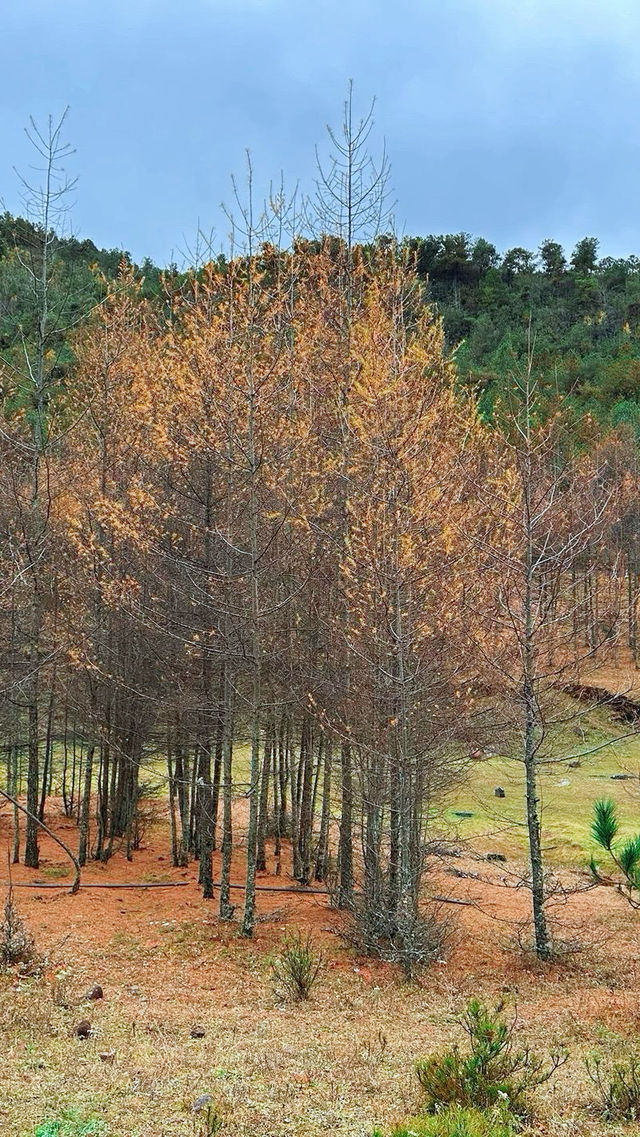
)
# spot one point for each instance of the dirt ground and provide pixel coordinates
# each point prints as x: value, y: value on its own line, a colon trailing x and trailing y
x: 339, y: 1064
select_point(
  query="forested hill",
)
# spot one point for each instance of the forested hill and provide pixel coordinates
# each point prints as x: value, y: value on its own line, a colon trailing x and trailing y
x: 584, y: 314
x: 583, y: 311
x: 76, y: 269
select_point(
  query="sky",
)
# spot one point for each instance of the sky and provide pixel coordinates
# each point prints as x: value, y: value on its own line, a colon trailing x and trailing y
x: 515, y: 120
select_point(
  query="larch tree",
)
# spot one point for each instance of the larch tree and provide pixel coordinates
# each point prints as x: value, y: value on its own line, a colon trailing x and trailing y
x: 351, y: 206
x: 32, y: 390
x: 542, y: 507
x: 405, y: 484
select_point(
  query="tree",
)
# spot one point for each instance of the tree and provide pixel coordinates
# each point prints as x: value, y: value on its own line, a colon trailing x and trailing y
x: 399, y: 573
x: 542, y: 509
x: 33, y: 382
x: 552, y: 259
x: 352, y: 201
x: 584, y: 256
x: 517, y: 261
x: 484, y: 256
x: 108, y: 533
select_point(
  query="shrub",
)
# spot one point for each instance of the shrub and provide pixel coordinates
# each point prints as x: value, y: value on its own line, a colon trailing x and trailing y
x: 411, y: 939
x: 456, y: 1121
x: 493, y: 1073
x: 16, y: 944
x: 296, y: 968
x: 70, y: 1125
x: 618, y: 1087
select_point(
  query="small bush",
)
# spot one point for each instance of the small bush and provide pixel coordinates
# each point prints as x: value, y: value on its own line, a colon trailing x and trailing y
x: 61, y: 989
x: 457, y: 1122
x: 412, y: 939
x: 618, y: 1087
x: 16, y: 945
x: 493, y: 1073
x: 70, y: 1125
x: 296, y: 968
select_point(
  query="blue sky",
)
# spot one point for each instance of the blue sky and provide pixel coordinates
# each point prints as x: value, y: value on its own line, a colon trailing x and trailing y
x: 511, y: 119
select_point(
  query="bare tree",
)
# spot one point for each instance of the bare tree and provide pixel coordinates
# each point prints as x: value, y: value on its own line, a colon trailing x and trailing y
x: 47, y: 202
x: 541, y: 506
x: 351, y: 204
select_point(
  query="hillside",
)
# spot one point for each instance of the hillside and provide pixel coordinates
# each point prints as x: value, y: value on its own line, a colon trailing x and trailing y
x: 582, y: 313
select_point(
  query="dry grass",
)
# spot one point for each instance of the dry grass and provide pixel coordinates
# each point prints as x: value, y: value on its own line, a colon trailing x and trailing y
x: 338, y: 1064
x: 344, y: 1061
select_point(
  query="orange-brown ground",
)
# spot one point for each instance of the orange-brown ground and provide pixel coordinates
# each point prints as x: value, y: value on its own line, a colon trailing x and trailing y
x: 338, y: 1064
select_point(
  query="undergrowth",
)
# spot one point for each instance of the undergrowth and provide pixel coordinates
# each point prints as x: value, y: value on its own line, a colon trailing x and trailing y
x: 455, y: 1121
x: 296, y: 968
x: 618, y: 1087
x: 71, y: 1125
x: 493, y: 1073
x: 17, y: 946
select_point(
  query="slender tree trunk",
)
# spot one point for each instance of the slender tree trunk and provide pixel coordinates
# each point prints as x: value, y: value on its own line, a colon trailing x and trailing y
x: 345, y: 846
x: 226, y: 907
x: 31, y: 850
x: 541, y: 934
x: 322, y: 853
x: 263, y: 814
x: 85, y: 808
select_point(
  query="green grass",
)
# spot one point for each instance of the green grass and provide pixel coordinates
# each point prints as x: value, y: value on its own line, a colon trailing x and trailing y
x: 497, y: 824
x: 70, y: 1124
x: 456, y: 1122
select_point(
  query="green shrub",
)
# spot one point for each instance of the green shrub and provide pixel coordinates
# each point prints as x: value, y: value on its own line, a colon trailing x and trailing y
x: 70, y: 1125
x: 456, y: 1122
x: 618, y: 1087
x: 296, y: 967
x: 493, y: 1073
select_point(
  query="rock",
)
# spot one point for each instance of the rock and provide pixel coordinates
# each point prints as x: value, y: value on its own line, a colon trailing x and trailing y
x: 201, y: 1103
x: 198, y: 1032
x: 574, y: 765
x: 496, y: 857
x: 499, y: 792
x: 563, y: 782
x: 95, y: 992
x: 83, y: 1029
x: 108, y: 1056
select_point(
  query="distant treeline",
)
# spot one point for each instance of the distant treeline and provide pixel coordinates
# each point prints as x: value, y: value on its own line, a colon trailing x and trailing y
x: 581, y: 313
